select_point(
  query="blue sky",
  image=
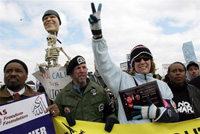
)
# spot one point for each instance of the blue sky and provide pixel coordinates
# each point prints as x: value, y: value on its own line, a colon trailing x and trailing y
x: 170, y: 29
x: 163, y: 26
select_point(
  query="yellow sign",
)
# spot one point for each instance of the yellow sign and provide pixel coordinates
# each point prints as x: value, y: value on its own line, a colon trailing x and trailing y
x: 85, y: 127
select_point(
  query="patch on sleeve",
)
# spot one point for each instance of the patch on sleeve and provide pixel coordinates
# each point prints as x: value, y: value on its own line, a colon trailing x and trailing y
x: 101, y: 107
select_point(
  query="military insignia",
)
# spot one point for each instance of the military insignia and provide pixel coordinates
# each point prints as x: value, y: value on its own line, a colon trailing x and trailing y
x: 80, y: 60
x: 93, y: 91
x: 66, y: 110
x: 101, y: 107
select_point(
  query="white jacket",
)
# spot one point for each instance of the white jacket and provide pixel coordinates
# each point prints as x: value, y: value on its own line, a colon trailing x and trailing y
x: 118, y: 80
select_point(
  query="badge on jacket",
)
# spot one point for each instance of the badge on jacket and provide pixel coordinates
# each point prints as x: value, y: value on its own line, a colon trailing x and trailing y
x: 93, y: 91
x: 66, y: 110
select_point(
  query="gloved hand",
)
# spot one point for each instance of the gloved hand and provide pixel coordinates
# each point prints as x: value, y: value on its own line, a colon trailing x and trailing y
x: 70, y: 119
x: 146, y: 112
x: 109, y: 123
x: 95, y: 21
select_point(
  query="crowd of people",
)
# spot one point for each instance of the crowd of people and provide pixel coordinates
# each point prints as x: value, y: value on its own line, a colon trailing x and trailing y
x: 88, y: 96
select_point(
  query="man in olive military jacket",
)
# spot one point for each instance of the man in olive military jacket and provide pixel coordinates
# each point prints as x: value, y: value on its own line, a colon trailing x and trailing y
x: 83, y: 99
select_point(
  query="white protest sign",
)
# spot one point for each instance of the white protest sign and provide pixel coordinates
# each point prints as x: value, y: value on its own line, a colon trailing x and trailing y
x: 124, y: 66
x: 26, y: 116
x: 53, y: 80
x: 165, y: 68
x: 188, y: 52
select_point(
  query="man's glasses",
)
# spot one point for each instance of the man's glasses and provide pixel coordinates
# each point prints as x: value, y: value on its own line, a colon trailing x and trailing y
x: 140, y: 58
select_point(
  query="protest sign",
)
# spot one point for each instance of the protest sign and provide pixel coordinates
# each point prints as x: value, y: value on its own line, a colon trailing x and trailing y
x: 53, y: 80
x: 189, y: 55
x: 138, y: 96
x: 188, y: 52
x: 26, y: 116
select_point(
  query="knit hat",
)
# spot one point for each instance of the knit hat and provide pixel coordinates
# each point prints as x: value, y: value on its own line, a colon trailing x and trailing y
x: 51, y: 12
x: 137, y: 51
x: 17, y: 61
x: 192, y: 63
x: 75, y: 62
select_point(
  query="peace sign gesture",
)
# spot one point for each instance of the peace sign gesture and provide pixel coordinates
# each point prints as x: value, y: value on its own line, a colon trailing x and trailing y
x: 95, y: 21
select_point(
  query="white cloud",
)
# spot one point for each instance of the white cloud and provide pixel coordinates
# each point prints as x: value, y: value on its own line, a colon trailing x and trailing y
x: 125, y: 24
x: 10, y: 12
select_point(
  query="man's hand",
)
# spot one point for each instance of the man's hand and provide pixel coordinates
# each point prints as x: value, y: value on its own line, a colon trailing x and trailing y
x: 70, y: 119
x: 53, y: 109
x: 110, y: 123
x: 95, y: 20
